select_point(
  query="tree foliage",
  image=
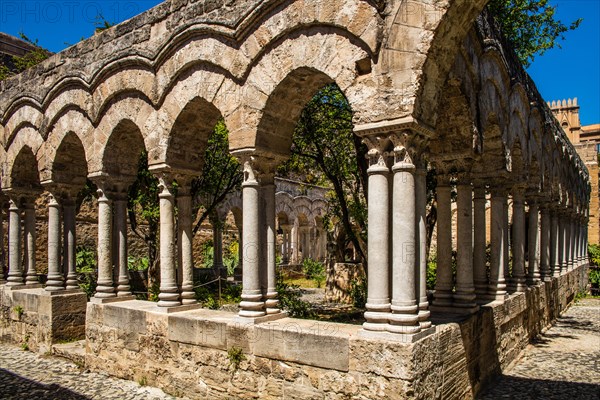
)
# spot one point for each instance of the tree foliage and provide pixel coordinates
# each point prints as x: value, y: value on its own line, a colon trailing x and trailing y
x: 221, y: 175
x: 531, y: 26
x: 326, y: 151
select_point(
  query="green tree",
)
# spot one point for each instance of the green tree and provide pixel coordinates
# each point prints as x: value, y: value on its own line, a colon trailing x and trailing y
x: 326, y: 151
x: 530, y: 25
x: 221, y: 175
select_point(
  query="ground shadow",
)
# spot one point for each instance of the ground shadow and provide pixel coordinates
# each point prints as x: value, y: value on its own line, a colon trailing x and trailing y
x: 13, y: 387
x: 525, y: 388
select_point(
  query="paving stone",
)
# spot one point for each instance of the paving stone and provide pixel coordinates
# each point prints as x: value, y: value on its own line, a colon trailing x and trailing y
x: 27, y: 375
x: 564, y: 363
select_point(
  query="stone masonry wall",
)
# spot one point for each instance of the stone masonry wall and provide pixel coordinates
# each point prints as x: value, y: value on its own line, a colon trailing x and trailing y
x: 39, y: 319
x: 187, y: 352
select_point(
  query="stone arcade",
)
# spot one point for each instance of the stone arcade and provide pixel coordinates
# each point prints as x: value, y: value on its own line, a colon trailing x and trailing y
x: 430, y: 83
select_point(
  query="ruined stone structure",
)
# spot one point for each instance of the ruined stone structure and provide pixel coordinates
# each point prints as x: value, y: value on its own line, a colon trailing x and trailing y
x: 429, y: 83
x: 586, y: 140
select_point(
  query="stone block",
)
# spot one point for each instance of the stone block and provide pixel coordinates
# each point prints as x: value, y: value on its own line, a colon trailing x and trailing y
x: 200, y: 328
x: 304, y: 342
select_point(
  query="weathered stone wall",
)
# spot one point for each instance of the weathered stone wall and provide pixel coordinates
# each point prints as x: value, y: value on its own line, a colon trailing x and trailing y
x: 39, y: 319
x: 187, y: 352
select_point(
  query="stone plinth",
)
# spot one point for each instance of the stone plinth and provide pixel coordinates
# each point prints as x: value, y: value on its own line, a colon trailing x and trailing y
x: 190, y: 352
x: 40, y: 318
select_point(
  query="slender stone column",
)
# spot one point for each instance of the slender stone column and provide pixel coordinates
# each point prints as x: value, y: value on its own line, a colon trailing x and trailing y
x: 562, y: 240
x: 443, y: 287
x: 30, y: 238
x: 270, y: 298
x: 546, y: 227
x: 378, y: 288
x: 404, y: 317
x: 15, y: 271
x: 518, y: 281
x: 533, y: 266
x: 252, y: 304
x: 121, y: 267
x: 2, y: 265
x: 479, y: 245
x: 169, y: 291
x: 285, y: 256
x: 571, y: 240
x: 555, y: 243
x: 497, y: 280
x: 421, y: 239
x: 69, y: 223
x: 464, y: 297
x: 55, y: 277
x: 575, y: 239
x: 294, y: 242
x: 185, y: 240
x: 105, y: 288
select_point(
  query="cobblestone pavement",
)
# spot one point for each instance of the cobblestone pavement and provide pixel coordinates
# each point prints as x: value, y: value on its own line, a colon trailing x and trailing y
x: 25, y: 375
x: 563, y: 364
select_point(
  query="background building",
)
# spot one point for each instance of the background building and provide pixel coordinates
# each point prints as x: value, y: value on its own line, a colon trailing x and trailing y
x: 586, y: 140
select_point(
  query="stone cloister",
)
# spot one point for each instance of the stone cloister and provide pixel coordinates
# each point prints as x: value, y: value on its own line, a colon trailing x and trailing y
x: 299, y: 210
x: 431, y: 85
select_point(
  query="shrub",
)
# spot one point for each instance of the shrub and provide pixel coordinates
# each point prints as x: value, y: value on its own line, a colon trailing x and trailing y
x: 235, y: 355
x: 358, y: 292
x: 431, y: 273
x: 289, y: 300
x: 311, y: 268
x: 137, y: 263
x: 594, y: 277
x: 594, y: 254
x: 85, y: 259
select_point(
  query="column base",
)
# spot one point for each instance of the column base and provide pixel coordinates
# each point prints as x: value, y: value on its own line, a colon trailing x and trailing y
x: 395, y: 337
x: 113, y: 299
x: 240, y: 319
x: 23, y: 286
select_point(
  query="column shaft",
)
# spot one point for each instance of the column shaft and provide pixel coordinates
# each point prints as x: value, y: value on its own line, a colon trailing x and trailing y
x: 404, y: 316
x: 270, y: 299
x: 105, y: 286
x: 122, y: 270
x: 545, y: 245
x: 421, y: 240
x: 185, y: 241
x: 562, y: 244
x: 444, y: 285
x: 518, y: 281
x: 15, y: 272
x: 69, y: 224
x: 555, y: 244
x: 30, y: 238
x: 252, y: 304
x: 464, y: 297
x: 169, y: 291
x: 55, y: 276
x: 533, y: 266
x: 378, y: 289
x: 497, y: 280
x: 479, y: 245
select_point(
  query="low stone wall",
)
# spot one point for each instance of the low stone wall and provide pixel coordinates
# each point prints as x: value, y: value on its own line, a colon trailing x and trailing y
x: 38, y: 318
x: 194, y: 352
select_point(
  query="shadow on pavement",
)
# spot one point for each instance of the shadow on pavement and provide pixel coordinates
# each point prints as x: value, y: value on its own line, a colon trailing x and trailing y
x: 13, y: 386
x: 510, y: 387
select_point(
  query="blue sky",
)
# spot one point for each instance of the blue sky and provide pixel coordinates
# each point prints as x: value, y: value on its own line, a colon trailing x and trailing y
x: 573, y: 71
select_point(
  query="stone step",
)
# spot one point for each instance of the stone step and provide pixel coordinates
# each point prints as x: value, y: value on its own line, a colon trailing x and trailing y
x: 74, y: 351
